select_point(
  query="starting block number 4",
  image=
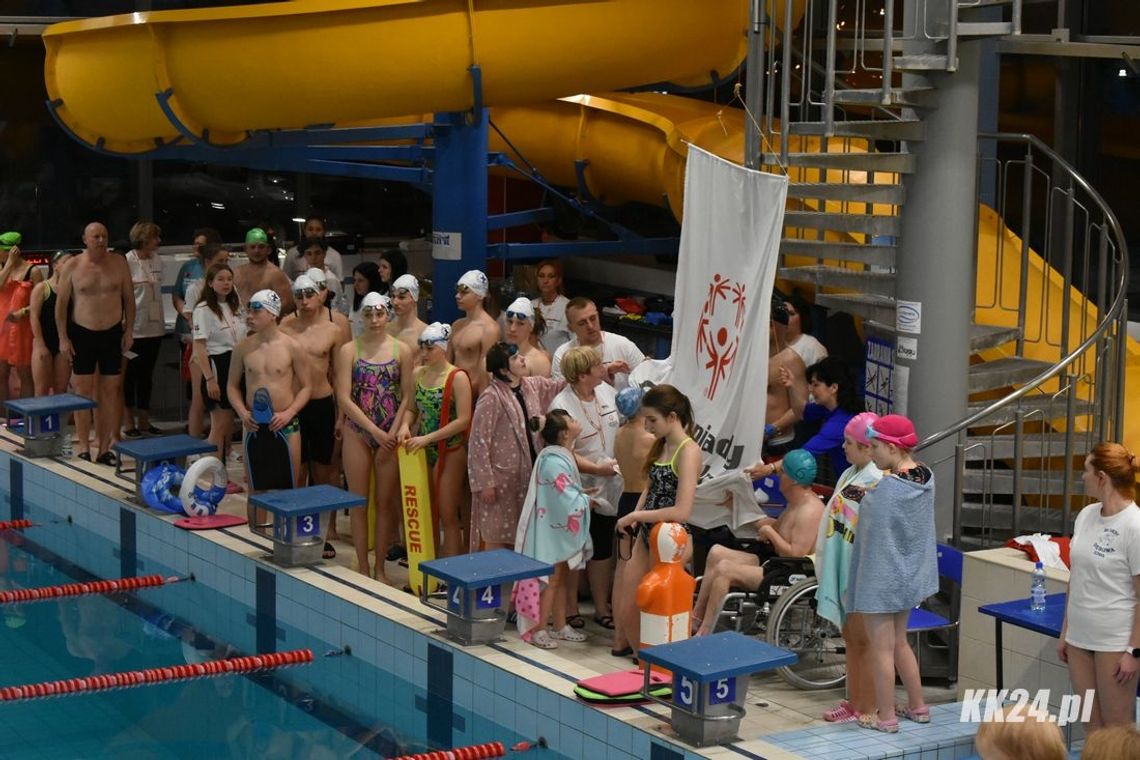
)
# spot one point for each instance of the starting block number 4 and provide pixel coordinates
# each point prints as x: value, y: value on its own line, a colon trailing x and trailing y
x: 720, y: 692
x: 486, y: 598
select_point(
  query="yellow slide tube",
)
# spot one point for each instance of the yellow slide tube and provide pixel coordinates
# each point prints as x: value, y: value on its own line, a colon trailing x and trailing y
x: 296, y: 64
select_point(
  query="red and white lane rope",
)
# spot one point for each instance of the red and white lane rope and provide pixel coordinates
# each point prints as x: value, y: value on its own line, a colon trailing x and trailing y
x: 15, y: 596
x: 170, y: 674
x: 15, y: 524
x: 474, y: 752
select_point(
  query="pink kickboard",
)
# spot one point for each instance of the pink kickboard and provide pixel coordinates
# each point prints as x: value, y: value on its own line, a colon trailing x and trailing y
x: 622, y: 682
x: 209, y: 522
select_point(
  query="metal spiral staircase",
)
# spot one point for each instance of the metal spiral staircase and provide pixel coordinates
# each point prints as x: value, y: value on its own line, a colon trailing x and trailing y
x: 1048, y: 334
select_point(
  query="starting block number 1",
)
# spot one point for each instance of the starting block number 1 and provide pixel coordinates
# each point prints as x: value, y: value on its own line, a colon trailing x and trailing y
x: 720, y: 692
x: 486, y: 597
x: 49, y: 423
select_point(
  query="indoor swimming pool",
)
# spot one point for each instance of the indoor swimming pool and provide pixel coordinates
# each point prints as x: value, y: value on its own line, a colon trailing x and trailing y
x: 375, y: 688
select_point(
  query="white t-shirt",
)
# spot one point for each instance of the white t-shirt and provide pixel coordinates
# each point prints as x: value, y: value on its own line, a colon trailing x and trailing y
x: 146, y: 275
x: 600, y: 422
x: 614, y: 348
x: 557, y: 329
x: 221, y: 335
x: 809, y: 349
x: 193, y: 293
x: 295, y: 265
x: 1104, y: 557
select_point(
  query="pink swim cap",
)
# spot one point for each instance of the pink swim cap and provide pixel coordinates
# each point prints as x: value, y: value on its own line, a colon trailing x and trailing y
x: 856, y: 428
x: 896, y: 429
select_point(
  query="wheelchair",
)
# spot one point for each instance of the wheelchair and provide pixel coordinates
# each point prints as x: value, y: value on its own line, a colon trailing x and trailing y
x: 783, y: 612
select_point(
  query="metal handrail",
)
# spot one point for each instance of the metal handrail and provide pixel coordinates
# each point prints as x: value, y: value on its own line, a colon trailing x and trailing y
x: 1111, y: 317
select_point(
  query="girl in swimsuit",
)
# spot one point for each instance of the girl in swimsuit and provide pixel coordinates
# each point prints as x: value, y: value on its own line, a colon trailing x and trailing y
x: 50, y: 371
x: 671, y: 471
x: 373, y: 386
x: 442, y: 432
x: 17, y: 279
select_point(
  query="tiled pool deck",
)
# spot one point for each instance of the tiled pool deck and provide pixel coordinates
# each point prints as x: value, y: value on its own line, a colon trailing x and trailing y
x: 460, y: 694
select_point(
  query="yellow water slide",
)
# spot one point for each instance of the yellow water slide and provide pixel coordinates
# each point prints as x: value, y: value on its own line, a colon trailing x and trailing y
x: 223, y: 72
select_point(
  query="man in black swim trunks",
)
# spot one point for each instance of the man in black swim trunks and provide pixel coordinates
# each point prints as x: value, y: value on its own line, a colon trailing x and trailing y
x: 96, y: 288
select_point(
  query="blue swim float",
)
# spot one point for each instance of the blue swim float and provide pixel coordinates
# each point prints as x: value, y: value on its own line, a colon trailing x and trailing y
x: 197, y: 501
x: 159, y: 488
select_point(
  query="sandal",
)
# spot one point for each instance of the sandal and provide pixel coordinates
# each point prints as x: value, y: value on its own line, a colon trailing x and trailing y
x: 605, y: 621
x: 541, y: 639
x: 842, y: 713
x: 107, y: 458
x: 575, y: 621
x: 872, y: 722
x: 84, y: 455
x: 152, y: 430
x: 627, y: 652
x: 329, y: 551
x: 569, y: 633
x: 916, y: 715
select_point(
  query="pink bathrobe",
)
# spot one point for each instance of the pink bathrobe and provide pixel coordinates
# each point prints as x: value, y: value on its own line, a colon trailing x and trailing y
x: 498, y: 456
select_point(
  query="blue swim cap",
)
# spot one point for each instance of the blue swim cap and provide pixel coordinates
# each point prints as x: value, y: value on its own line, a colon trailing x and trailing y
x: 799, y: 465
x: 629, y: 401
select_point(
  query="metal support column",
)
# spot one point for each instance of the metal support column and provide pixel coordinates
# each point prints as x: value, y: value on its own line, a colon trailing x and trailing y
x: 459, y: 205
x: 754, y: 83
x: 935, y: 288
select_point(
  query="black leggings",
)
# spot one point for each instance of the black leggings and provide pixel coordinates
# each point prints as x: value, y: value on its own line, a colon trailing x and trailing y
x: 139, y: 379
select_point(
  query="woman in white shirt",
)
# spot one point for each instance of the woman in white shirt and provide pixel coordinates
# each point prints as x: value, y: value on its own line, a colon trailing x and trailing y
x: 1100, y: 638
x: 593, y: 403
x: 149, y: 327
x: 218, y: 325
x: 551, y: 303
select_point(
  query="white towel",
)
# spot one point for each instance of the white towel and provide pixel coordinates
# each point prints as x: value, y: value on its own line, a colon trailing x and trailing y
x: 1047, y: 551
x: 710, y: 509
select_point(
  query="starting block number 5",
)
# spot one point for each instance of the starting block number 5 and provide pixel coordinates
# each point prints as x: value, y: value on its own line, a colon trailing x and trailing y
x: 720, y: 692
x: 486, y: 597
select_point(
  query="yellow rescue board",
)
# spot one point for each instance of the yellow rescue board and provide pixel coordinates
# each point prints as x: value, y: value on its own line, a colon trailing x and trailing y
x: 419, y: 525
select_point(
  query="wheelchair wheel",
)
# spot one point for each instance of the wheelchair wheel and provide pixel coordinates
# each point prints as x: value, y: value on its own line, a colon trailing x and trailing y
x: 793, y: 624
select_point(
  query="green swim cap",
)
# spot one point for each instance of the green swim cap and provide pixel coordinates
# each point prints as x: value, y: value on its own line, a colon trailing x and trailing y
x: 10, y: 239
x: 256, y: 235
x: 799, y: 465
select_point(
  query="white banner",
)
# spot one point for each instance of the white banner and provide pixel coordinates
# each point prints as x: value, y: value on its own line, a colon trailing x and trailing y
x: 730, y: 241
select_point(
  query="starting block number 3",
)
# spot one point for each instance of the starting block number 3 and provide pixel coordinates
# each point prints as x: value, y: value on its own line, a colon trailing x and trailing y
x: 720, y: 692
x: 486, y: 597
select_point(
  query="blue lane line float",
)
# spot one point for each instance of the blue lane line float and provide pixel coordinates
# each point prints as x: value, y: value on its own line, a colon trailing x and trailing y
x: 159, y: 487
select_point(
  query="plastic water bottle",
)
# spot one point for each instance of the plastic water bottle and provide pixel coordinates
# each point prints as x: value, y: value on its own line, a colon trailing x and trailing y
x: 1037, y: 589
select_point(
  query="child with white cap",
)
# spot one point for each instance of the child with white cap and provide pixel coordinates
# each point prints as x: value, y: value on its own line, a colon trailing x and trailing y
x: 441, y: 419
x: 407, y: 326
x: 524, y: 327
x: 313, y: 250
x: 272, y: 362
x: 474, y: 334
x: 375, y: 387
x: 321, y: 280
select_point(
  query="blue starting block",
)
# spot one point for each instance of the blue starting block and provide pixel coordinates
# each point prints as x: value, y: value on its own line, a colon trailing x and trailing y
x: 710, y: 682
x: 150, y: 452
x: 300, y: 519
x: 43, y: 423
x: 478, y: 591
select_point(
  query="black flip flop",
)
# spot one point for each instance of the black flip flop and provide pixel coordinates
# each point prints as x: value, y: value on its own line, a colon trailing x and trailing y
x: 84, y: 455
x: 627, y: 652
x: 329, y: 551
x: 107, y: 458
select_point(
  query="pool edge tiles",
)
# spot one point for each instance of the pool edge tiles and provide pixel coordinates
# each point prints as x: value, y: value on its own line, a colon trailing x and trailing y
x: 527, y: 693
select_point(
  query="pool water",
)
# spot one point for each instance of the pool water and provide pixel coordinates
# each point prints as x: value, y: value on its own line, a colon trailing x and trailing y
x: 276, y: 715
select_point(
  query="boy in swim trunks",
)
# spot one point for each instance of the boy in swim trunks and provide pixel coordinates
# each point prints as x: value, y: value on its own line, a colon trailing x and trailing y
x: 272, y: 360
x: 792, y: 534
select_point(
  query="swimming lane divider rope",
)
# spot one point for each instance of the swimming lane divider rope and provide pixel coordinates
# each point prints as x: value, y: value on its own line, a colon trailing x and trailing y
x: 474, y: 752
x: 16, y: 596
x: 131, y: 678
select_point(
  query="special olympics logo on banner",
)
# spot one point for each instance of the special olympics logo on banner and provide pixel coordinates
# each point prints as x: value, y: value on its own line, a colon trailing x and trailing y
x: 718, y: 332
